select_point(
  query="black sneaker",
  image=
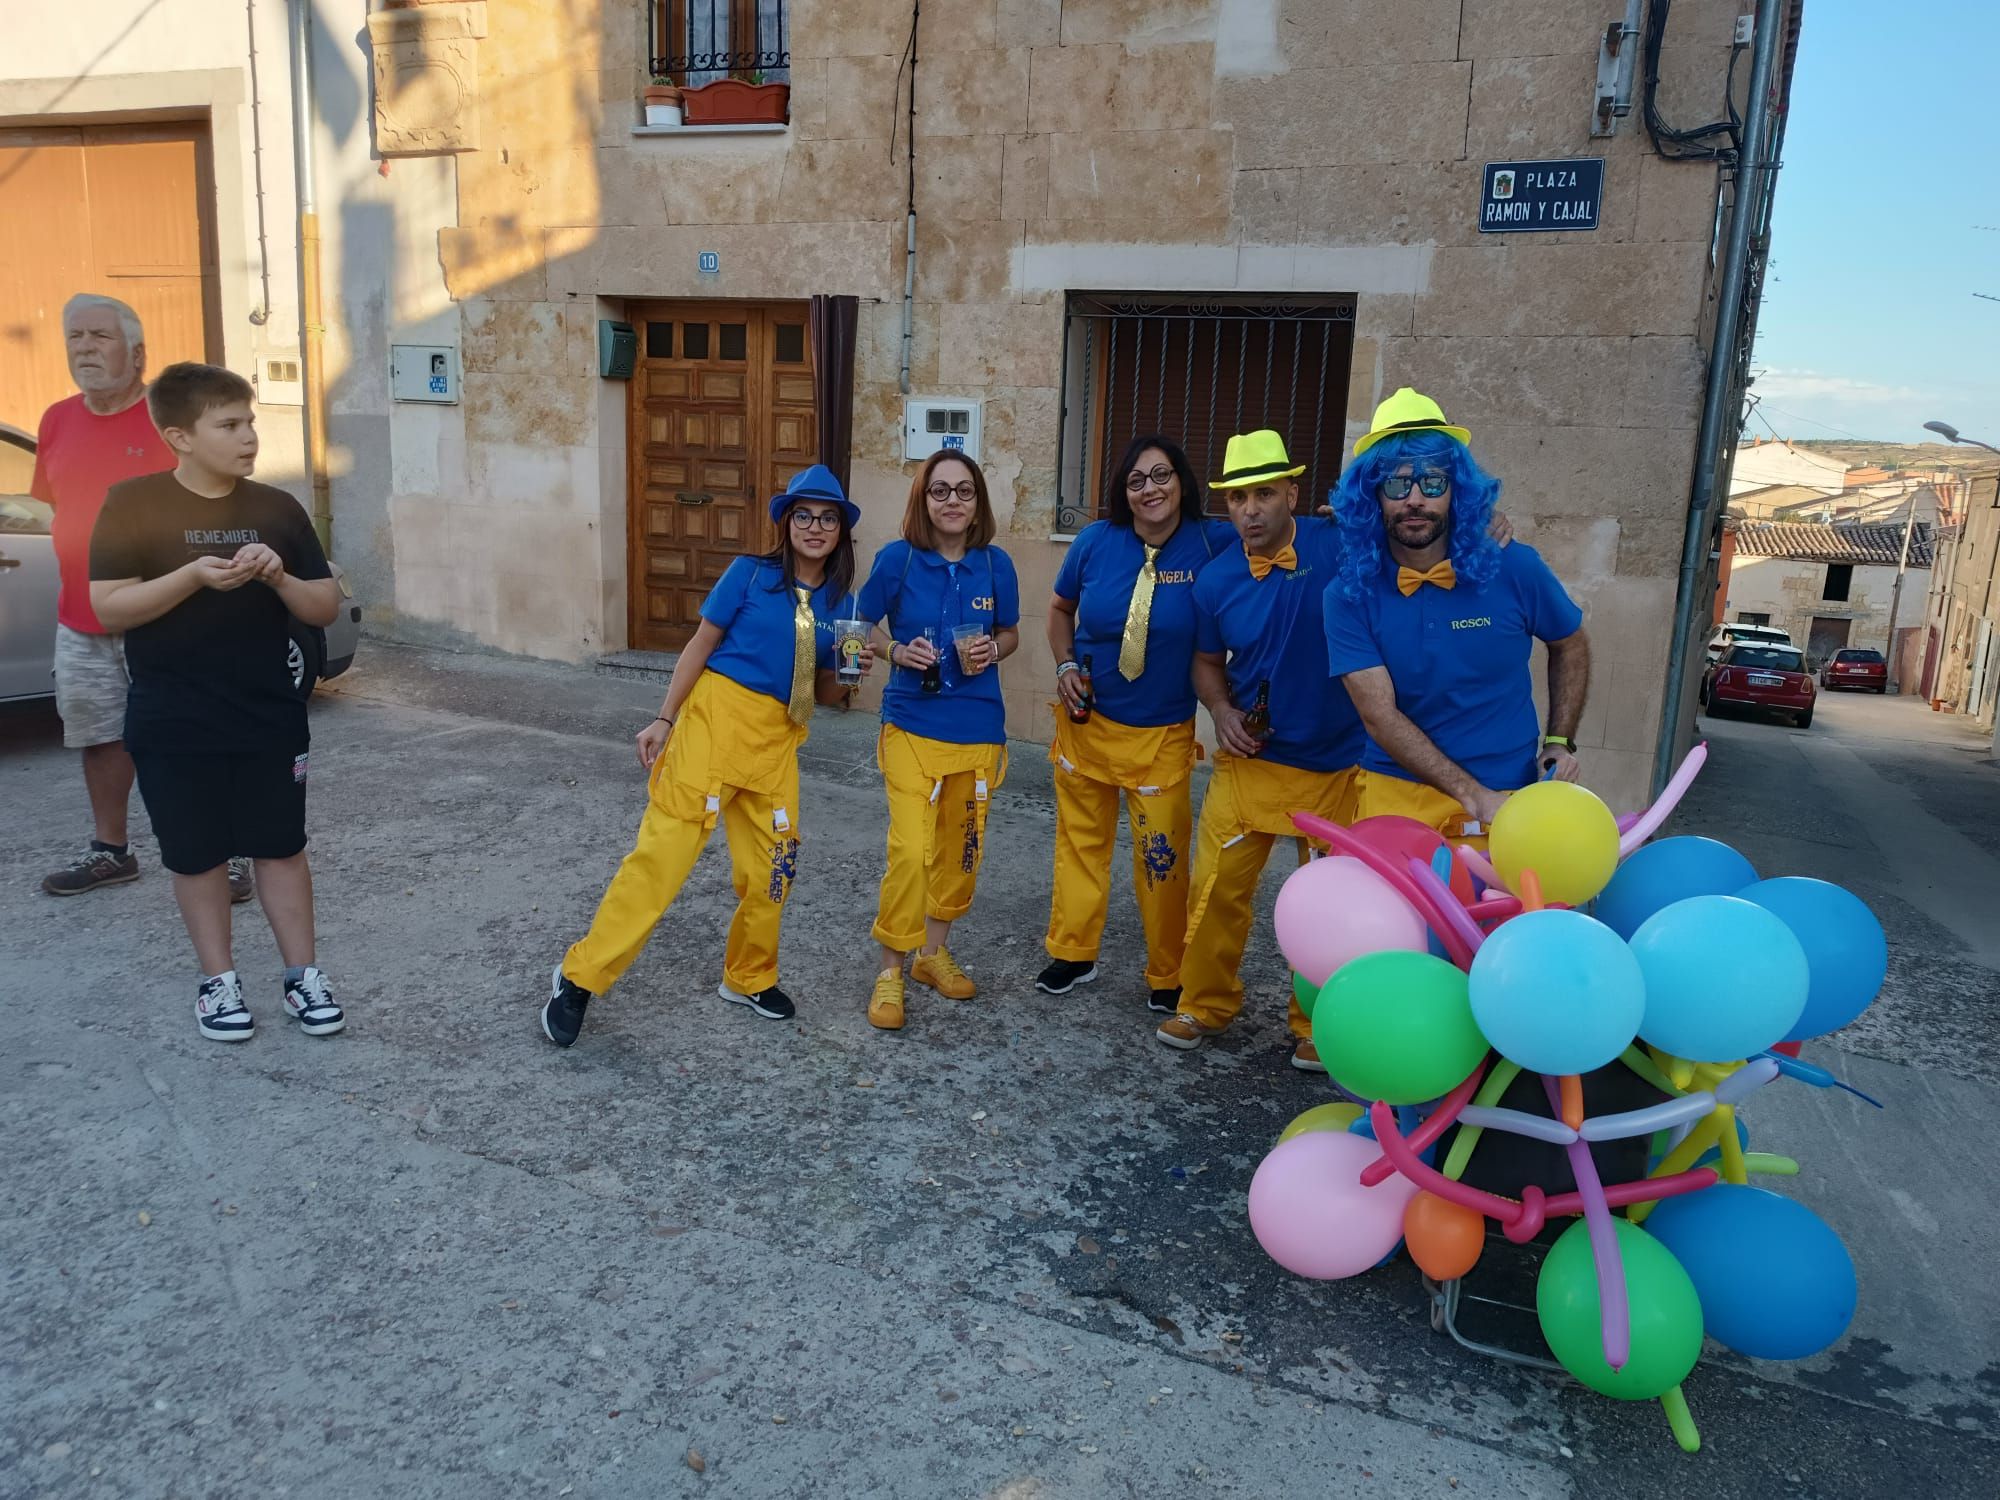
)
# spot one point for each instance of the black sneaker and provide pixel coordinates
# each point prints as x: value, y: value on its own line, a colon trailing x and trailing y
x: 91, y: 869
x: 772, y: 1004
x: 562, y: 1017
x: 219, y: 1012
x: 1164, y: 1002
x: 1062, y: 976
x: 309, y: 1000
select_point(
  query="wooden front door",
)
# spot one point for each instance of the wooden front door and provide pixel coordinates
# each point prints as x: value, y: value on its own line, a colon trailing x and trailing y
x: 722, y: 418
x: 124, y: 210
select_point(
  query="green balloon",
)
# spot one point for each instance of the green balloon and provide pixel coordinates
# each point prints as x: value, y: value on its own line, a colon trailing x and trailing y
x: 1665, y: 1313
x: 1306, y: 994
x: 1397, y: 1026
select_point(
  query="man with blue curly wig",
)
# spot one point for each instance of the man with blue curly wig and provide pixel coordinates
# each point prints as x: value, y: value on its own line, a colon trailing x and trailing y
x: 1431, y: 626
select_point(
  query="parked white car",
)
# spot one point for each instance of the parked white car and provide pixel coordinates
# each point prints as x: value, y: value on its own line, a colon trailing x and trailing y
x: 28, y: 582
x: 1738, y: 634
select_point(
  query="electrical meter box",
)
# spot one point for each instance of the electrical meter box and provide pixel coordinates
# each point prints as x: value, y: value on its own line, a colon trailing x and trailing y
x: 617, y: 349
x: 932, y: 422
x: 424, y: 372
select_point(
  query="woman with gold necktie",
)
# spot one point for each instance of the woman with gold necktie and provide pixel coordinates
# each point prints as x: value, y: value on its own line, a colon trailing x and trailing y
x: 1121, y: 624
x: 725, y: 747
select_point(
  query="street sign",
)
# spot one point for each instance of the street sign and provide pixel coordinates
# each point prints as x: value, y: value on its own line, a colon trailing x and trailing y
x: 1538, y: 197
x: 709, y: 263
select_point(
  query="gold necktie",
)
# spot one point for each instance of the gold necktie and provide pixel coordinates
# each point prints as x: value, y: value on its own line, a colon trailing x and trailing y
x: 1139, y: 619
x: 1260, y: 567
x: 1409, y: 580
x: 805, y: 657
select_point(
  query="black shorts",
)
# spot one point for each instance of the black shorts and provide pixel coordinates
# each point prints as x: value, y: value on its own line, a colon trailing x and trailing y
x: 207, y: 809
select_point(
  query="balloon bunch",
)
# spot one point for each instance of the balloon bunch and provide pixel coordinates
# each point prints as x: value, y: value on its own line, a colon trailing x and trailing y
x: 1418, y: 963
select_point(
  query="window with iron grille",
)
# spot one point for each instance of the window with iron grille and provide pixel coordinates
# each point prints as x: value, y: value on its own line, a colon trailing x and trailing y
x: 699, y: 41
x: 1199, y: 368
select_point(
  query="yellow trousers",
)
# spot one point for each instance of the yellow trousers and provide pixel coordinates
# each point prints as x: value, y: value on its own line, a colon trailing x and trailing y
x: 938, y: 795
x: 1378, y: 794
x: 734, y: 756
x: 1247, y: 809
x: 1096, y: 762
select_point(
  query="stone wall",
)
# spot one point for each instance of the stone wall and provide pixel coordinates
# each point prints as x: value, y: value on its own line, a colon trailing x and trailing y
x: 1179, y: 145
x: 1790, y: 593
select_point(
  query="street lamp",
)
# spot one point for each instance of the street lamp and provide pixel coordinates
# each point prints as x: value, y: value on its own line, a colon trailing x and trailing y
x: 1951, y: 435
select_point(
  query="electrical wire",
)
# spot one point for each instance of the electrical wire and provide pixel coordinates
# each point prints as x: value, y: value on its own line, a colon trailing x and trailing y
x: 1674, y: 143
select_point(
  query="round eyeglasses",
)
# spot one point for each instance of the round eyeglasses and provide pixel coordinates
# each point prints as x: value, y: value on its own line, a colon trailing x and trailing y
x: 963, y: 490
x: 809, y: 520
x: 1159, y: 474
x: 1430, y: 486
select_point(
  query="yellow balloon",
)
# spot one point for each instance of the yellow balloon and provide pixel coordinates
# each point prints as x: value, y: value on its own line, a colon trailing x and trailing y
x: 1322, y: 1117
x: 1561, y: 831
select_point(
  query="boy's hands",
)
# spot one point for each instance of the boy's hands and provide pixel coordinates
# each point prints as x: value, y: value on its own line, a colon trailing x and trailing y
x: 221, y: 573
x: 261, y: 561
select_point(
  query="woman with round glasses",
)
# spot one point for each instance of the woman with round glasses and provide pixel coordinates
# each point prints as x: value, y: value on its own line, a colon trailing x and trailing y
x: 1121, y: 624
x: 948, y: 608
x: 724, y: 748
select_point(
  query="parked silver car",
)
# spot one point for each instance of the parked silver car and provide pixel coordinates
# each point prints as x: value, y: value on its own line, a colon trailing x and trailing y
x: 28, y: 582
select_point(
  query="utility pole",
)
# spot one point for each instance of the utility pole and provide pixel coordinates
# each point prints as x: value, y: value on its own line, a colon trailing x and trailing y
x: 1896, y: 594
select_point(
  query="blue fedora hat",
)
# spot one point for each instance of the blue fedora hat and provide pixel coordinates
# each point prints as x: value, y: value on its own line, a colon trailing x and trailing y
x: 816, y: 483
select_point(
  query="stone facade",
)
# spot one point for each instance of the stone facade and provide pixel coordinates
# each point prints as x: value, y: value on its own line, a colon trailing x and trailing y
x: 1200, y: 146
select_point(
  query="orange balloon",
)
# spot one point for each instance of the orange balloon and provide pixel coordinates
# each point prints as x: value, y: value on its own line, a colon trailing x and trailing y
x: 1445, y: 1238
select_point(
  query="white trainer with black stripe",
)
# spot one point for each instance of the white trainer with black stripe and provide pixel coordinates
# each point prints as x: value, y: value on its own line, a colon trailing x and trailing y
x: 309, y: 998
x: 218, y: 1009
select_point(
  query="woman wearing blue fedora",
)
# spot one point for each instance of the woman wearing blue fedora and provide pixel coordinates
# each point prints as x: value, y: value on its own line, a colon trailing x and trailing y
x: 725, y: 746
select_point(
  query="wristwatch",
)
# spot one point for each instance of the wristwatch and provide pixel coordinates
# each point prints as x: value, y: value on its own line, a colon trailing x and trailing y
x: 1560, y: 741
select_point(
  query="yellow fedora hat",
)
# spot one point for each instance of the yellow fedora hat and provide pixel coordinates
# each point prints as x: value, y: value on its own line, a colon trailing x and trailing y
x: 1255, y: 456
x: 1407, y: 411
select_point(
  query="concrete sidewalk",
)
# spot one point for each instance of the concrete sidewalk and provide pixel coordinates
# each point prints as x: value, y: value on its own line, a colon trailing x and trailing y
x: 1001, y: 1253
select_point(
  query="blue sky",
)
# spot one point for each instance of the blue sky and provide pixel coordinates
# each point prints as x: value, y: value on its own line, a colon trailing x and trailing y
x: 1870, y: 325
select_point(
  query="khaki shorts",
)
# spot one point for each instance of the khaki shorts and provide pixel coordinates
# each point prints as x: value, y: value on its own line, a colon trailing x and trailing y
x: 91, y: 683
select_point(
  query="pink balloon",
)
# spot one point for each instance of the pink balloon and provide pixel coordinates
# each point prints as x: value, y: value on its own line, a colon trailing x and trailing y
x: 1648, y: 822
x: 1335, y: 909
x: 1311, y: 1214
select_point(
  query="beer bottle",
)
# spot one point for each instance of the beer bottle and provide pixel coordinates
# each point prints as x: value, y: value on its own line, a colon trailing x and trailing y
x: 1081, y: 713
x: 1257, y: 722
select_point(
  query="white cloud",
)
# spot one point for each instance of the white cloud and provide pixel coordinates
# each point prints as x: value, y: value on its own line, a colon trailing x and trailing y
x: 1810, y: 385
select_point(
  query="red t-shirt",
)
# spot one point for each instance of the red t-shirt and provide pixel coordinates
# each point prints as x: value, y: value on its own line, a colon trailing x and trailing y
x: 78, y: 457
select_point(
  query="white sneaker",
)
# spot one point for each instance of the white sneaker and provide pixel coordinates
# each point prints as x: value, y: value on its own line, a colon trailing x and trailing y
x: 310, y: 1001
x: 219, y: 1012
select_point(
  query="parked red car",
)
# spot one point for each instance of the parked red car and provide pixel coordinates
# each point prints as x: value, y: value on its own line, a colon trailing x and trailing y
x: 1762, y: 676
x: 1858, y: 667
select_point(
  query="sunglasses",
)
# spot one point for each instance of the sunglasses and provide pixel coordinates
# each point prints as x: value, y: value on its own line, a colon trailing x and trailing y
x: 1159, y: 474
x: 1430, y: 486
x: 942, y: 492
x: 806, y: 520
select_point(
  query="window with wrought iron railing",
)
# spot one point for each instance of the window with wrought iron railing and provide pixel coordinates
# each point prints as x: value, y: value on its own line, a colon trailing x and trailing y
x: 1198, y: 368
x: 698, y: 41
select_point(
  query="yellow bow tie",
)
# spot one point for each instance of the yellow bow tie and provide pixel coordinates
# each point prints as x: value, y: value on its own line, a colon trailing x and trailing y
x: 1409, y: 580
x: 1260, y: 567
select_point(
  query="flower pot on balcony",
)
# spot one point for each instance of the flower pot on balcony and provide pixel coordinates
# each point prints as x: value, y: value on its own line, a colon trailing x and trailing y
x: 663, y: 104
x: 731, y: 101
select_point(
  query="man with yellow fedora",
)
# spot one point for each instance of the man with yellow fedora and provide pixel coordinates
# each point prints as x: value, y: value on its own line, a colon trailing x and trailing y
x: 1285, y: 743
x: 1430, y: 624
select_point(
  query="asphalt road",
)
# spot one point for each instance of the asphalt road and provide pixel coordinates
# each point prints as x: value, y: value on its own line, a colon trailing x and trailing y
x: 1002, y: 1253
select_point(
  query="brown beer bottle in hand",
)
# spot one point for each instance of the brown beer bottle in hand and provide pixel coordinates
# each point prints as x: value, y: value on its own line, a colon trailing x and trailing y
x: 1081, y: 713
x: 1257, y: 721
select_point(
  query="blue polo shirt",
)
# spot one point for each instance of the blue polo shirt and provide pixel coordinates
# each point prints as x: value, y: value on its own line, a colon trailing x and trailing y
x: 1271, y: 630
x: 1098, y: 575
x: 752, y: 608
x: 909, y: 589
x: 1459, y: 660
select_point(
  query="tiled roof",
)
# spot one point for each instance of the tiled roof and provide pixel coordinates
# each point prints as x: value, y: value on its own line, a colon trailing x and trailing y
x: 1863, y: 542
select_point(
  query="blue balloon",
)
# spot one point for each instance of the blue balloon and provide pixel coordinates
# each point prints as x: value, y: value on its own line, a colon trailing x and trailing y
x: 1671, y: 870
x: 1557, y: 992
x: 1774, y: 1281
x: 1846, y: 953
x: 1725, y: 978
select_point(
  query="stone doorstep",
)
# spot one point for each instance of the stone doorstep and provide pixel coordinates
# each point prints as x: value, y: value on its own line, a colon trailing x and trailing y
x: 640, y: 666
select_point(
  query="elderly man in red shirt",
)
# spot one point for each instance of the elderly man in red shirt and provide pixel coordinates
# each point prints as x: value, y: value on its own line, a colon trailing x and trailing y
x: 87, y: 443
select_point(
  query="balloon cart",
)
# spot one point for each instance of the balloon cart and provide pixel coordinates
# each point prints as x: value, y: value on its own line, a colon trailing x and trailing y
x: 1561, y: 1007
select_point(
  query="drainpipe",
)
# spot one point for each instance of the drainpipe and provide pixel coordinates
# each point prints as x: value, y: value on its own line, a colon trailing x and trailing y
x: 1759, y: 157
x: 312, y: 326
x: 910, y: 220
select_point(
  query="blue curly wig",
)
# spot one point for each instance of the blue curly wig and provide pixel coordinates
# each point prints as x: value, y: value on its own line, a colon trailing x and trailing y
x: 1357, y: 510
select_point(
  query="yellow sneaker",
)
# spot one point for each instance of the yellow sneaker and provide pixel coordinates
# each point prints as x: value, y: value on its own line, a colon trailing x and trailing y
x: 941, y: 972
x: 885, y: 1006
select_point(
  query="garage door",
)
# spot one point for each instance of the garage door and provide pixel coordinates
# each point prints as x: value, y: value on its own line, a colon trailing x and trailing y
x: 127, y: 210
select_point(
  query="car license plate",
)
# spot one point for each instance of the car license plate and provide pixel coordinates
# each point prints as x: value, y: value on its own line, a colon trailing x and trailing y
x: 1762, y: 679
